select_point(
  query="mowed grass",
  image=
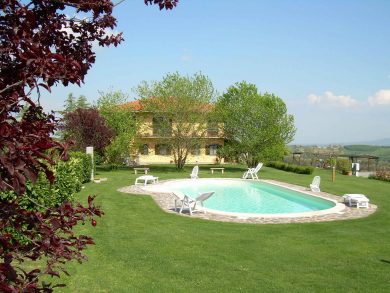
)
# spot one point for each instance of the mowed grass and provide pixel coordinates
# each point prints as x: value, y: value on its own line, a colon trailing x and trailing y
x: 140, y: 248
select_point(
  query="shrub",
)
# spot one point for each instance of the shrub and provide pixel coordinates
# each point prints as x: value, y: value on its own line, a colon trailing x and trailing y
x: 344, y: 165
x: 68, y: 179
x: 291, y: 167
x: 110, y: 167
x: 69, y: 176
x: 382, y: 174
x: 84, y: 167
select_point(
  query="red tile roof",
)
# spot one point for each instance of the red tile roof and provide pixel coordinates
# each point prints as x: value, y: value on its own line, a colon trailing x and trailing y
x: 135, y: 105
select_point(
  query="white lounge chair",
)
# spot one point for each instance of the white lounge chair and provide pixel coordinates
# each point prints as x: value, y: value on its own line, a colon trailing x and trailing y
x: 146, y: 179
x: 190, y: 203
x: 315, y: 185
x: 195, y: 171
x: 358, y: 200
x: 178, y: 197
x: 252, y: 172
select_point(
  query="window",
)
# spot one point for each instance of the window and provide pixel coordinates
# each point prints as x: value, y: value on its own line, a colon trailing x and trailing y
x: 212, y: 149
x: 195, y: 150
x: 163, y: 150
x: 212, y: 129
x: 144, y: 149
x: 162, y: 126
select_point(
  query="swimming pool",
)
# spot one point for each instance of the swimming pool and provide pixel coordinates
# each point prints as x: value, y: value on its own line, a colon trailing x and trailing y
x: 244, y: 197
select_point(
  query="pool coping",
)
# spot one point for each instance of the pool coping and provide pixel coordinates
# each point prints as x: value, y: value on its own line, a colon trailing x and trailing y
x: 339, y: 212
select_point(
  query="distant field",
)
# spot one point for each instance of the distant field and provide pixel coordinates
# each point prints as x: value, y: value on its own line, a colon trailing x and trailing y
x: 383, y: 152
x: 323, y: 152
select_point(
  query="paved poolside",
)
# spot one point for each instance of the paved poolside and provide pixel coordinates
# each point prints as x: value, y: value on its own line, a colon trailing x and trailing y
x: 166, y: 202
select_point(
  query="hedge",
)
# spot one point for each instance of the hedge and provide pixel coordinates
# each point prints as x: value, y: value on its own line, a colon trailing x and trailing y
x: 382, y: 175
x: 84, y: 167
x: 110, y: 167
x: 291, y: 167
x: 69, y: 176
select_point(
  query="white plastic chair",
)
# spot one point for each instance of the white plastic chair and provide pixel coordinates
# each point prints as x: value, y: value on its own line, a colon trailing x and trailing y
x: 195, y: 171
x: 190, y: 203
x: 178, y: 198
x: 252, y: 172
x: 315, y: 185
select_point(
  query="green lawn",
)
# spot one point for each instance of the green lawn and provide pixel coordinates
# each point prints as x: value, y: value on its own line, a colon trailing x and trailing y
x: 140, y: 248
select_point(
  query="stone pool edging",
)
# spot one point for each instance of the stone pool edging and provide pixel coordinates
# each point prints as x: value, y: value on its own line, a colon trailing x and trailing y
x: 166, y: 203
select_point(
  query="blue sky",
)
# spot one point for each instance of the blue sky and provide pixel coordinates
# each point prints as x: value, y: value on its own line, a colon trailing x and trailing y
x: 328, y: 60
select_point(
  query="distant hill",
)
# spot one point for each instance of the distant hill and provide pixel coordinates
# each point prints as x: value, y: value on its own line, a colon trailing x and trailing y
x: 383, y: 152
x: 378, y: 142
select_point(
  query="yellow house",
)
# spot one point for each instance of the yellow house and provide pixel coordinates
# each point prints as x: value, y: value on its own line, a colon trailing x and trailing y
x: 152, y: 150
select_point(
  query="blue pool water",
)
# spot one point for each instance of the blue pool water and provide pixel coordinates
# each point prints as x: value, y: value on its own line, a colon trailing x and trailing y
x: 251, y: 197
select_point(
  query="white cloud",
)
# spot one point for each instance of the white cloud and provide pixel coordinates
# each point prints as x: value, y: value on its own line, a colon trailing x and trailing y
x: 381, y: 97
x: 341, y: 100
x: 331, y: 99
x: 314, y: 99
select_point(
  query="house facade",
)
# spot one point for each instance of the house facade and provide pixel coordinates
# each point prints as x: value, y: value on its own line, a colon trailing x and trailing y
x: 152, y: 147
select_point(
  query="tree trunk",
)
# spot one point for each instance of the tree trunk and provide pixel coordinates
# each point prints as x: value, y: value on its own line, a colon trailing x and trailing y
x: 181, y: 159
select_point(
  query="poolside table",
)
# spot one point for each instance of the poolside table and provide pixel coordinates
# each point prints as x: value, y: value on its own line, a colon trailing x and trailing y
x: 220, y: 169
x: 145, y: 170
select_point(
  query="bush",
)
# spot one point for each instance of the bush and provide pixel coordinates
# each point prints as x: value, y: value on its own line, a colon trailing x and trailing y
x: 382, y: 174
x: 344, y: 165
x: 110, y: 167
x: 69, y: 177
x: 68, y: 180
x: 84, y: 167
x: 291, y: 167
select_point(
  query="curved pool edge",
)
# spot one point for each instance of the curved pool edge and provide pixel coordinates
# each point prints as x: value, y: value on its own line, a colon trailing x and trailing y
x: 166, y: 203
x: 339, y: 207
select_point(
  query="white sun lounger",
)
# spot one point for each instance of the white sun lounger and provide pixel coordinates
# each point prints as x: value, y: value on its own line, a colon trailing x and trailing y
x: 178, y: 198
x: 146, y: 179
x: 190, y: 203
x: 252, y: 172
x: 358, y: 200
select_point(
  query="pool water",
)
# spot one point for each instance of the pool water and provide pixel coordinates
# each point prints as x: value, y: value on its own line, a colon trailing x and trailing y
x: 251, y: 197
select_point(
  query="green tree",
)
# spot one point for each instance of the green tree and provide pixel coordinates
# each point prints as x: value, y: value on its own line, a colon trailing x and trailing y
x: 72, y: 103
x: 121, y: 119
x: 182, y: 109
x: 82, y: 102
x: 257, y: 126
